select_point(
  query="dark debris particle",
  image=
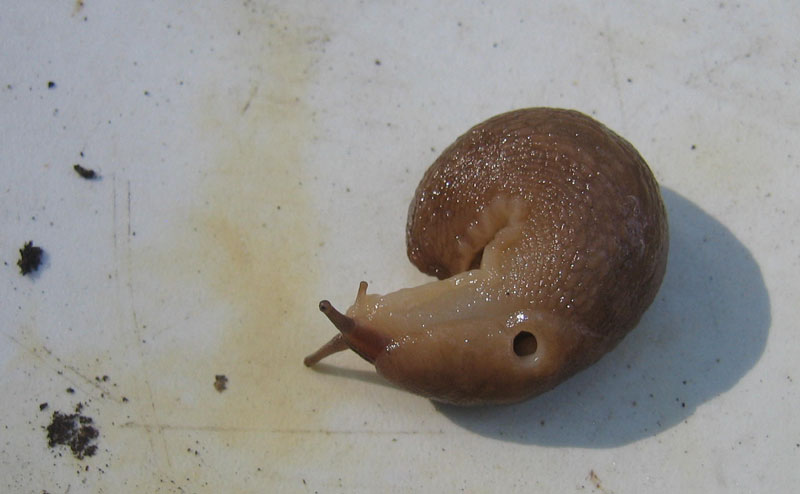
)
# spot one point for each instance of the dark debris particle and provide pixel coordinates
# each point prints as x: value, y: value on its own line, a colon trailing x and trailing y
x: 51, y: 85
x: 220, y: 382
x: 86, y: 173
x: 43, y: 406
x: 71, y: 391
x: 30, y: 258
x: 74, y: 431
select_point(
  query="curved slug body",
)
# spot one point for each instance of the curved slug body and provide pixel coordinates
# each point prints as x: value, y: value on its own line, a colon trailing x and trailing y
x: 549, y: 237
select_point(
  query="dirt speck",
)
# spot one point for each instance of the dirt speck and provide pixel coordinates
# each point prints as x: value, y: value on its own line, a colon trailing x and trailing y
x: 86, y: 173
x: 30, y: 258
x: 595, y: 480
x: 75, y: 431
x: 220, y: 382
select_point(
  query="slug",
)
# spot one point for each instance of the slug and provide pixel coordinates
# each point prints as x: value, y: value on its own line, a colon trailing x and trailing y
x: 549, y: 237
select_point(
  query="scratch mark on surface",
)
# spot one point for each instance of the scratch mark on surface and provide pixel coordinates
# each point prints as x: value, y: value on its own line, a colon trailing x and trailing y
x: 131, y: 309
x: 612, y: 59
x: 114, y: 222
x: 47, y: 358
x: 253, y: 93
x: 162, y: 427
x: 719, y: 66
x: 128, y: 186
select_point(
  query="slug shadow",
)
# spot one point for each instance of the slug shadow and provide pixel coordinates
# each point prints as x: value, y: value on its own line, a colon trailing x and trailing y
x: 707, y: 327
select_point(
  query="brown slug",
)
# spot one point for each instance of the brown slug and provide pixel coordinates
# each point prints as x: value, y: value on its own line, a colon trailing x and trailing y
x: 549, y: 237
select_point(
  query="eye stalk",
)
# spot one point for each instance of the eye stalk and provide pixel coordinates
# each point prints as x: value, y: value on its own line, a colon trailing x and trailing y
x: 342, y: 322
x: 364, y: 340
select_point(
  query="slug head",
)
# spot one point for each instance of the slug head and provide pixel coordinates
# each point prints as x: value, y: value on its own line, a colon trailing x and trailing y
x: 480, y: 361
x: 492, y: 353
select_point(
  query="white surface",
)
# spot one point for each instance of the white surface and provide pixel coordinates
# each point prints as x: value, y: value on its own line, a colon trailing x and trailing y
x: 256, y: 158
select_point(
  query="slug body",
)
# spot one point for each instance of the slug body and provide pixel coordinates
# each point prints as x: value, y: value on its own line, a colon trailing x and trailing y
x: 549, y: 238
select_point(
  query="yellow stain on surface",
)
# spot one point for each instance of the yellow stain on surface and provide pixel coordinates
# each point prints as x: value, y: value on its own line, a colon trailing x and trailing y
x: 246, y: 245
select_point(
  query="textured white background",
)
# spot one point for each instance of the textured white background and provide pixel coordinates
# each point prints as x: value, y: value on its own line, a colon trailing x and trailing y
x: 257, y: 157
